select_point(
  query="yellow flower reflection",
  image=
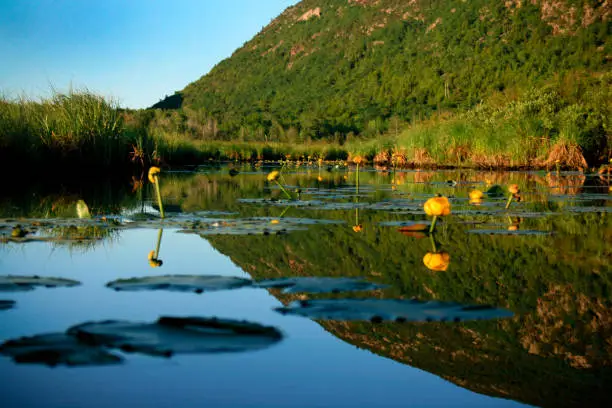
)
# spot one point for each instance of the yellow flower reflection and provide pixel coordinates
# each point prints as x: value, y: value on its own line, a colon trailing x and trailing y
x: 358, y: 228
x: 437, y: 261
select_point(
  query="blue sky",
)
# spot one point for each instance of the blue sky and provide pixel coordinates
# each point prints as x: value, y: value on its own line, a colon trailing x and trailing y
x: 136, y: 51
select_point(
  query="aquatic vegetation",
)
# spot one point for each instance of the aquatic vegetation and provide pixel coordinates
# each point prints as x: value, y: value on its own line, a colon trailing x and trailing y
x: 82, y: 209
x: 7, y: 304
x: 379, y: 310
x: 13, y: 283
x: 514, y: 190
x: 178, y: 335
x: 318, y: 285
x: 437, y: 207
x: 154, y: 178
x: 57, y: 349
x: 476, y: 197
x: 180, y: 283
x: 274, y: 177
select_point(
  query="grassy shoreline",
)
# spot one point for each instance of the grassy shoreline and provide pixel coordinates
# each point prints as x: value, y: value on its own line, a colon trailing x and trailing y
x: 554, y: 127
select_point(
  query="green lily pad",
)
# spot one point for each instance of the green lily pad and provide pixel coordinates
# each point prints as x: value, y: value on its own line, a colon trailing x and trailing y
x: 407, y: 225
x: 318, y: 285
x: 178, y: 335
x: 56, y: 349
x: 508, y: 232
x: 7, y: 304
x: 180, y: 283
x: 496, y: 191
x: 24, y: 283
x: 398, y: 310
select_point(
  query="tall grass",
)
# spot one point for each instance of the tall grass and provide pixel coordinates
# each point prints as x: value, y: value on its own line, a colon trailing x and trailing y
x: 77, y: 128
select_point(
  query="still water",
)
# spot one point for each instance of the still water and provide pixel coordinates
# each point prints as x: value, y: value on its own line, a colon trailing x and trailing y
x: 230, y: 243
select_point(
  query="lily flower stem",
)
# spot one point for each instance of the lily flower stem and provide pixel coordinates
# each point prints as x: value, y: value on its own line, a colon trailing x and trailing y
x: 284, y: 191
x: 284, y: 211
x: 357, y: 175
x: 433, y: 224
x: 159, y: 200
x: 159, y: 238
x: 356, y: 216
x: 509, y: 201
x: 433, y: 243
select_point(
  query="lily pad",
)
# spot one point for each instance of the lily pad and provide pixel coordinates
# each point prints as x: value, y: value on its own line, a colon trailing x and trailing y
x: 56, y: 349
x: 496, y: 191
x: 398, y: 310
x: 24, y: 283
x: 7, y: 304
x: 178, y: 335
x: 508, y: 232
x: 407, y: 225
x: 180, y: 283
x: 318, y: 285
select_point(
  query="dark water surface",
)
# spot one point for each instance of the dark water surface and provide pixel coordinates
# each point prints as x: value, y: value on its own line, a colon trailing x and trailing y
x: 496, y: 308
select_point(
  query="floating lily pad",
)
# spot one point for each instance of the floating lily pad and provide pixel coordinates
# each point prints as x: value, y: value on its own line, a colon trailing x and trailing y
x: 7, y: 304
x: 496, y: 191
x: 407, y: 225
x: 378, y: 310
x: 24, y: 283
x: 318, y: 285
x: 301, y: 221
x: 282, y: 203
x: 56, y: 349
x: 176, y: 335
x: 588, y: 209
x: 251, y: 226
x: 180, y: 283
x: 508, y: 232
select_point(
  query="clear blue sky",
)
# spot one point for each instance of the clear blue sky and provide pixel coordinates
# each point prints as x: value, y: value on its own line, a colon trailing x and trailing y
x: 136, y: 51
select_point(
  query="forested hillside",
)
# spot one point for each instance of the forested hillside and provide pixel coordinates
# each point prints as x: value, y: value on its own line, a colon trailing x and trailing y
x: 337, y: 68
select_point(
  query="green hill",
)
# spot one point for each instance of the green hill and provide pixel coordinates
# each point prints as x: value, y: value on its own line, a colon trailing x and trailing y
x: 337, y: 68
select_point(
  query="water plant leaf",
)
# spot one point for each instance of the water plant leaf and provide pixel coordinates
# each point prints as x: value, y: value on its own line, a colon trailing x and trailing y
x: 318, y: 285
x: 12, y: 283
x: 178, y: 335
x: 7, y: 304
x: 56, y: 349
x: 496, y: 191
x: 407, y: 225
x: 508, y: 232
x: 399, y: 310
x: 180, y: 283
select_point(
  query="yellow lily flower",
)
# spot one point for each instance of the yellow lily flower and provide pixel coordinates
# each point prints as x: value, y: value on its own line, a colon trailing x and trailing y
x: 153, y: 171
x: 475, y: 195
x: 274, y: 175
x: 437, y: 207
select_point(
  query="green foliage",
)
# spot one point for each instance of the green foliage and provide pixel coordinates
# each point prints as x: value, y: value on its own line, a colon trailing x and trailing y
x: 78, y: 128
x: 359, y: 68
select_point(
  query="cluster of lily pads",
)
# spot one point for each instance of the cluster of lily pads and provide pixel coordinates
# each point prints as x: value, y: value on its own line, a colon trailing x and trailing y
x: 11, y: 283
x: 92, y: 343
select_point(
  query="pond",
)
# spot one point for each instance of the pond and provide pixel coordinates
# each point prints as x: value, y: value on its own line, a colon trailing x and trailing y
x: 336, y: 297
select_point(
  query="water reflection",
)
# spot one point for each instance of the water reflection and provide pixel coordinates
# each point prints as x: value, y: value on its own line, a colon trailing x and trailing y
x: 86, y: 344
x: 153, y: 256
x: 555, y: 350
